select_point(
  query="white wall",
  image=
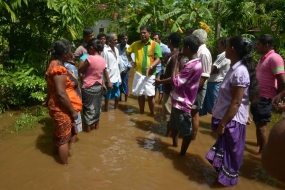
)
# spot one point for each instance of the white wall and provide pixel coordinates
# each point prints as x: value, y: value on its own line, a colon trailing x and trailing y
x: 101, y: 24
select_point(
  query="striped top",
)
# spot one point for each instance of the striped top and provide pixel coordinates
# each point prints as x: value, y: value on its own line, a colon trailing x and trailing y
x: 268, y: 67
x: 145, y: 54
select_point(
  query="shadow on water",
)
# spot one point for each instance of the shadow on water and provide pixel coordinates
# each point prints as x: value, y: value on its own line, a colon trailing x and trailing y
x: 149, y: 126
x: 205, y: 128
x: 191, y: 165
x: 197, y: 169
x: 205, y: 125
x: 44, y: 141
x: 251, y: 143
x: 128, y: 109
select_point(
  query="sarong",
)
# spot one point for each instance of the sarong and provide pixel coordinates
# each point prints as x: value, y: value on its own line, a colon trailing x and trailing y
x: 91, y: 99
x: 113, y: 93
x: 210, y: 97
x: 143, y: 85
x: 62, y: 127
x: 227, y: 153
x: 124, y: 88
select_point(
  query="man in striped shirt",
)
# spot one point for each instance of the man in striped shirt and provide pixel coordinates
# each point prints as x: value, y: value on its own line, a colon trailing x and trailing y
x: 147, y: 56
x: 271, y: 79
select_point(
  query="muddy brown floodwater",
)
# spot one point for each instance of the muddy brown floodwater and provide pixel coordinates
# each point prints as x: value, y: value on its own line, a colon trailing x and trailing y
x: 128, y: 152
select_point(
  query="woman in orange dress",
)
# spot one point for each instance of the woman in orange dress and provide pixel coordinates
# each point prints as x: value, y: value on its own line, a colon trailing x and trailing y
x: 64, y: 100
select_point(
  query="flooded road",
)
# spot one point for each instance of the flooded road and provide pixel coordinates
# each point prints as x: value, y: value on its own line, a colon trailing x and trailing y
x: 128, y: 152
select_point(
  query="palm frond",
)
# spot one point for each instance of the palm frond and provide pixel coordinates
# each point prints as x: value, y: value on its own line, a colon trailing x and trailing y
x: 143, y: 21
x: 9, y: 10
x: 170, y: 14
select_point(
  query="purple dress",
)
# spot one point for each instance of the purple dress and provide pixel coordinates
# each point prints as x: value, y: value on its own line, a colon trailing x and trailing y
x: 227, y: 153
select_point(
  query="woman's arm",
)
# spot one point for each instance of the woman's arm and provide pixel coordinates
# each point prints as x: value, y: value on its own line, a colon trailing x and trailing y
x: 237, y: 94
x: 163, y: 81
x: 83, y: 65
x: 60, y: 82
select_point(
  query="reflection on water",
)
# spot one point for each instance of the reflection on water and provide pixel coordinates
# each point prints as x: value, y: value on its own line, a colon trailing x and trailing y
x: 129, y: 151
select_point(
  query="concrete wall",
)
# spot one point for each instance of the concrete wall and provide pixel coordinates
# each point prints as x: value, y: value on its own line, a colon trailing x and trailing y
x: 101, y: 24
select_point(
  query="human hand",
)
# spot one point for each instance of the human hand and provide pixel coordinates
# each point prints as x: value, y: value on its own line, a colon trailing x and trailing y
x: 281, y: 106
x: 221, y: 128
x: 149, y: 71
x: 74, y: 115
x: 249, y: 120
x: 104, y: 86
x: 276, y: 100
x: 157, y: 81
x: 126, y: 71
x: 110, y: 85
x: 134, y: 64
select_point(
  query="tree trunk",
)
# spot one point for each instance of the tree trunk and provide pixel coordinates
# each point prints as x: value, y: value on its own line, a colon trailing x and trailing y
x: 218, y: 24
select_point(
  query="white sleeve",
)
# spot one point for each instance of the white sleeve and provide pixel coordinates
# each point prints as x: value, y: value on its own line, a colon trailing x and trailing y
x: 206, y: 60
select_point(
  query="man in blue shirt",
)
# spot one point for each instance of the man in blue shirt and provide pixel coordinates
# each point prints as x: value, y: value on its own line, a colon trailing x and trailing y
x: 124, y: 65
x: 159, y: 68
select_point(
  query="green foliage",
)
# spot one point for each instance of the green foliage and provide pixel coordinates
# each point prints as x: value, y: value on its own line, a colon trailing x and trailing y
x: 20, y: 87
x: 27, y: 120
x: 29, y: 27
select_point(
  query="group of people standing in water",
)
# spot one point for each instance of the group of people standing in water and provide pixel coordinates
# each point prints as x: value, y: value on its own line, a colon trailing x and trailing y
x: 192, y: 86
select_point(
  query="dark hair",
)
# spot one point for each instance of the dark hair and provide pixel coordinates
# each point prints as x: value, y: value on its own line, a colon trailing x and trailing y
x: 243, y: 49
x: 192, y: 42
x: 145, y: 27
x: 266, y: 39
x: 189, y: 31
x: 224, y: 41
x: 87, y: 31
x: 59, y: 48
x: 96, y: 44
x: 100, y: 35
x: 122, y: 35
x: 175, y: 39
x: 158, y: 34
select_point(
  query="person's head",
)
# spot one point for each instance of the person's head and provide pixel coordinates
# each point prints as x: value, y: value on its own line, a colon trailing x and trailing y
x: 112, y: 39
x: 61, y: 50
x: 173, y: 40
x: 124, y: 39
x: 145, y: 33
x: 201, y: 35
x: 189, y: 31
x: 264, y: 44
x: 222, y: 44
x: 240, y: 49
x: 88, y: 34
x: 190, y: 46
x: 102, y: 37
x: 95, y: 45
x: 157, y: 37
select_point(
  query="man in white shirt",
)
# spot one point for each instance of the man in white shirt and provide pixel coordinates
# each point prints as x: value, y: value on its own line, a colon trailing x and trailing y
x: 206, y: 59
x: 219, y: 70
x: 111, y: 55
x: 124, y: 65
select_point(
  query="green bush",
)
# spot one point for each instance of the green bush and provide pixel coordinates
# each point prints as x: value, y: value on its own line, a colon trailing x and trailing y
x: 26, y: 120
x: 20, y: 87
